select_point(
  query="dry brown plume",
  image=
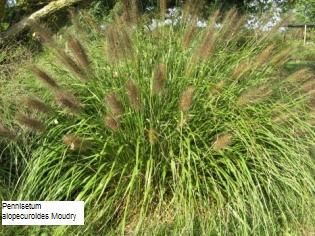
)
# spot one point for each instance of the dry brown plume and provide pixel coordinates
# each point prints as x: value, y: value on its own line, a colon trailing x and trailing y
x: 44, y: 77
x: 153, y: 136
x: 79, y: 52
x: 114, y: 104
x: 254, y: 95
x: 75, y: 143
x: 72, y: 66
x: 264, y: 56
x: 112, y: 122
x: 300, y: 75
x: 163, y: 6
x: 31, y: 123
x: 186, y: 99
x: 69, y: 101
x: 189, y: 34
x: 6, y: 133
x: 133, y: 94
x: 159, y: 78
x: 222, y: 141
x: 119, y: 44
x: 36, y: 104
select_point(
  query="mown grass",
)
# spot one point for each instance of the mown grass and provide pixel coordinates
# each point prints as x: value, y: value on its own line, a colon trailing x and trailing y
x: 176, y: 131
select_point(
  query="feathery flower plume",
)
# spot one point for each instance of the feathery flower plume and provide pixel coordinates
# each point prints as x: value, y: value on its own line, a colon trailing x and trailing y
x: 71, y: 64
x: 163, y: 7
x: 281, y: 57
x: 186, y: 99
x: 134, y: 11
x: 207, y: 45
x: 189, y: 34
x: 228, y: 23
x: 36, y: 104
x: 217, y: 88
x: 91, y: 22
x: 133, y: 94
x: 311, y: 104
x: 191, y: 8
x: 119, y: 43
x: 300, y: 75
x: 68, y: 101
x: 236, y: 26
x: 6, y: 133
x: 159, y: 78
x: 309, y: 86
x: 311, y: 121
x: 153, y: 136
x: 114, y: 104
x: 30, y: 123
x: 222, y: 141
x: 44, y: 77
x: 254, y: 95
x: 264, y: 56
x: 282, y: 118
x: 79, y: 52
x: 240, y: 70
x: 74, y: 142
x: 126, y: 14
x: 75, y: 19
x: 112, y: 122
x: 44, y: 33
x: 130, y: 11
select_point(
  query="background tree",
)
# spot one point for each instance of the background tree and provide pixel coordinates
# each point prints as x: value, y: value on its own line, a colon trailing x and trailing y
x: 305, y: 10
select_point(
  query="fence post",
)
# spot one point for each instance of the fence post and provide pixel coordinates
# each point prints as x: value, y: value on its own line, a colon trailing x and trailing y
x: 305, y: 30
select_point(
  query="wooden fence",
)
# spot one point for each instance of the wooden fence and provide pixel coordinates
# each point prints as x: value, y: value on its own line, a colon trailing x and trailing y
x: 302, y: 26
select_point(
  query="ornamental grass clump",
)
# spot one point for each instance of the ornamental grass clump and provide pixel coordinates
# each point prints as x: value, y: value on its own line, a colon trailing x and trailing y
x: 186, y: 139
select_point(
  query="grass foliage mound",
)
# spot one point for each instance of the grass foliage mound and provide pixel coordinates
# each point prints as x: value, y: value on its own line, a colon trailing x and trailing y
x: 175, y: 130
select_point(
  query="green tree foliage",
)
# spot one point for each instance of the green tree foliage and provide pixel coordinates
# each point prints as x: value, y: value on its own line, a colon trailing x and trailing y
x: 305, y: 10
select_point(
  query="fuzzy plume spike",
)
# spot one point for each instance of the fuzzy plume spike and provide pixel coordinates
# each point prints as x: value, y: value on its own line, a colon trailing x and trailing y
x: 36, y: 104
x: 186, y: 99
x: 159, y: 78
x: 153, y: 136
x: 163, y: 6
x: 217, y: 88
x: 30, y: 123
x: 240, y: 70
x: 222, y: 141
x: 130, y: 11
x: 44, y: 77
x: 114, y: 104
x: 282, y: 118
x: 309, y: 86
x: 207, y: 45
x: 254, y: 95
x: 119, y: 43
x: 189, y: 34
x: 79, y: 52
x: 281, y: 57
x: 264, y: 55
x: 71, y: 64
x: 133, y: 94
x: 227, y: 24
x: 6, y: 133
x: 44, y: 33
x: 300, y: 75
x: 68, y: 101
x: 112, y: 123
x: 74, y: 142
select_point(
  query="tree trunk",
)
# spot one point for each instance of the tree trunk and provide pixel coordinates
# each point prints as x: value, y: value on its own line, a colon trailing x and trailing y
x: 2, y: 9
x: 50, y: 8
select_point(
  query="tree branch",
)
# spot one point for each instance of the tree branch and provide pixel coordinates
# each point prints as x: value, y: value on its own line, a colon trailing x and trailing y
x: 50, y: 8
